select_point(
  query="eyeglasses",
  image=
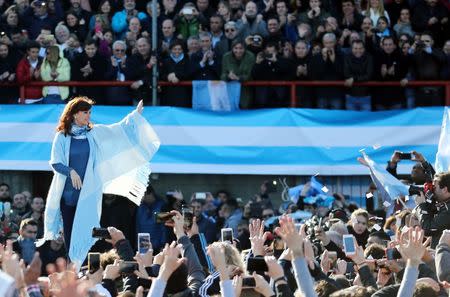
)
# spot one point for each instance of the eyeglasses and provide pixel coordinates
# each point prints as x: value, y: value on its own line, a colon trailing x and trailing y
x: 427, y: 41
x: 268, y: 215
x: 119, y: 50
x: 230, y: 30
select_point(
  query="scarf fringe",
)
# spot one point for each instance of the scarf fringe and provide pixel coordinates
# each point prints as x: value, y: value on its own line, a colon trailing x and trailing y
x: 141, y: 182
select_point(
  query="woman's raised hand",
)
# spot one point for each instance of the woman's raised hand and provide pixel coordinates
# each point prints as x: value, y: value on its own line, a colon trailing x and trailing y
x: 140, y: 106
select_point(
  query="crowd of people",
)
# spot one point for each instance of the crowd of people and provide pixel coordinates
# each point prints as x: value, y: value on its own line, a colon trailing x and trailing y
x: 274, y: 40
x: 211, y: 245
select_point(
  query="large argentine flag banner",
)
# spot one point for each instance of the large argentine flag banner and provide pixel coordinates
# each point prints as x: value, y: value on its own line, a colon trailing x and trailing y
x: 443, y: 155
x: 275, y: 141
x: 215, y: 95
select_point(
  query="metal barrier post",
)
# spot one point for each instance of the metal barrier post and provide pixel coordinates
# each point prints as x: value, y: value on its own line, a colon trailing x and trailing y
x: 447, y: 94
x: 22, y: 94
x: 293, y: 95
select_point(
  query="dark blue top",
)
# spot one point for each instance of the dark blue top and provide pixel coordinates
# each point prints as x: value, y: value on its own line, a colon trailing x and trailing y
x: 78, y: 158
x: 146, y: 223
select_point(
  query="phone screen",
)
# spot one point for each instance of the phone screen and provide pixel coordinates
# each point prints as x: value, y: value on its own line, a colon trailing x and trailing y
x: 349, y: 245
x: 101, y: 233
x: 227, y: 234
x: 248, y: 282
x: 93, y: 262
x: 257, y: 264
x: 405, y: 156
x: 143, y: 242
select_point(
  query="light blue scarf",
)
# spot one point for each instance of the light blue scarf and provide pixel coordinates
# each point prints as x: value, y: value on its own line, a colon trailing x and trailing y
x: 175, y: 59
x: 79, y: 132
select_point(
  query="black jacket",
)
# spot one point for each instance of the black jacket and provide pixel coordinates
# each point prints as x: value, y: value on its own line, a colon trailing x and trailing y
x: 207, y: 72
x: 361, y: 69
x: 269, y: 70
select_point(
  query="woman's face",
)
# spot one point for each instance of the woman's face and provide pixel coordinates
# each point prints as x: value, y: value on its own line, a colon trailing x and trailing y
x: 177, y: 50
x: 238, y: 51
x: 12, y: 19
x: 301, y: 50
x: 366, y: 24
x: 374, y: 3
x: 314, y: 4
x: 108, y: 37
x: 82, y: 118
x: 222, y: 9
x: 106, y: 7
x: 359, y: 224
x: 405, y: 48
x: 71, y: 20
x: 381, y: 25
x: 404, y: 15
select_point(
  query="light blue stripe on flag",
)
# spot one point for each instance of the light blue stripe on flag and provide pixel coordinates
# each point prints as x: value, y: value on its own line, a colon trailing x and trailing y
x: 215, y: 95
x: 443, y: 155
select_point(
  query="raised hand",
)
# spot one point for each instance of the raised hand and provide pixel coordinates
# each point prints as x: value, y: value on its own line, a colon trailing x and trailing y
x: 290, y: 236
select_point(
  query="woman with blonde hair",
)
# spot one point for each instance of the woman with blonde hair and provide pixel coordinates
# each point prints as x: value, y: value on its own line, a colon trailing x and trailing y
x: 375, y: 9
x: 55, y: 68
x: 358, y: 226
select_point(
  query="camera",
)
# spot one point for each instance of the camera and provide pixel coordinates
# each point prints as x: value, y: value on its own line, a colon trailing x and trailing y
x: 257, y: 39
x: 2, y: 34
x: 427, y: 189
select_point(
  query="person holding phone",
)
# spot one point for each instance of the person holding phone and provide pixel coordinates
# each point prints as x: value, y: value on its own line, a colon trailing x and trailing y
x: 357, y: 226
x: 146, y: 220
x: 85, y: 159
x: 420, y: 172
x: 206, y: 225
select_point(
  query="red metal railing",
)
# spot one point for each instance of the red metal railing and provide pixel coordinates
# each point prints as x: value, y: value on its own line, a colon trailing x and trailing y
x: 291, y: 84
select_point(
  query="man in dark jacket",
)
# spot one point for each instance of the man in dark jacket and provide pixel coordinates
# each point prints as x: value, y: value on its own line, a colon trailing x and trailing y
x: 434, y: 214
x: 271, y: 67
x: 389, y: 65
x: 36, y: 17
x: 90, y: 66
x: 428, y: 63
x: 432, y: 16
x: 358, y: 67
x: 139, y: 69
x: 328, y: 66
x: 204, y: 63
x: 206, y: 225
x: 224, y: 45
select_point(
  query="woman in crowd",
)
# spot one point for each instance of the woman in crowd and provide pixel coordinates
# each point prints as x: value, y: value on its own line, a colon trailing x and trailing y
x: 175, y: 68
x: 375, y: 9
x: 237, y: 65
x: 55, y: 68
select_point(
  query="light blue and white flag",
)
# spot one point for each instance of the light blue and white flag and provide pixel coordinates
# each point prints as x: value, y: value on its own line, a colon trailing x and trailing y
x: 388, y: 186
x: 442, y: 163
x: 281, y: 141
x: 215, y: 95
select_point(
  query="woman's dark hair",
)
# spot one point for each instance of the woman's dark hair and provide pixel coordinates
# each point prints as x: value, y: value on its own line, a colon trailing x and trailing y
x: 237, y: 41
x: 174, y: 43
x: 72, y: 107
x: 99, y: 10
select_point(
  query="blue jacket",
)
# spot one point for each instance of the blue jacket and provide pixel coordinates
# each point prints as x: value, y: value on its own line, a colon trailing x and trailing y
x: 120, y: 23
x: 146, y: 223
x: 233, y: 221
x: 207, y: 226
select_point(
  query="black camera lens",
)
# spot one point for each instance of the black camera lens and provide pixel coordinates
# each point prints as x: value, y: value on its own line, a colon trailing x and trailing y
x: 415, y: 190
